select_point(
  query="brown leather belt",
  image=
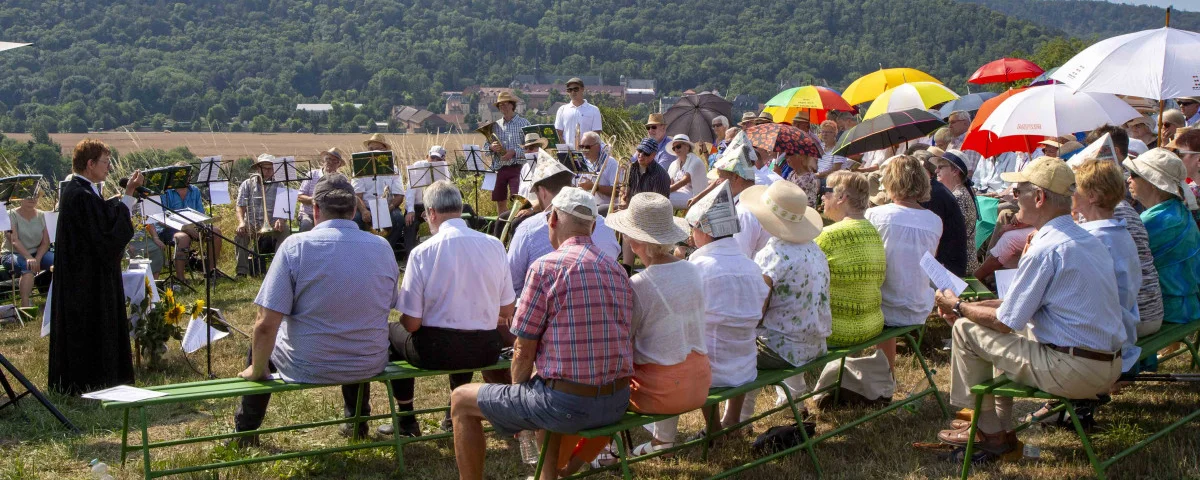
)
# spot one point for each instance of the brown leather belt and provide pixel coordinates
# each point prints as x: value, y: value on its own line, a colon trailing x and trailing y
x: 583, y: 390
x: 1084, y: 353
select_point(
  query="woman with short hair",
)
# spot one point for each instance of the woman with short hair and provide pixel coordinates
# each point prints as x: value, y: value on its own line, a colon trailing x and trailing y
x: 687, y: 172
x: 27, y: 245
x: 856, y: 258
x: 952, y: 173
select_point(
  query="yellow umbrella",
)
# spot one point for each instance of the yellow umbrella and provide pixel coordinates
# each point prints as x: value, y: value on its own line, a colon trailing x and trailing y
x: 919, y: 95
x: 871, y: 85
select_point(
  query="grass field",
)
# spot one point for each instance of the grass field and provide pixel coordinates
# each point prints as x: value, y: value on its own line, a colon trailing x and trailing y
x: 34, y: 446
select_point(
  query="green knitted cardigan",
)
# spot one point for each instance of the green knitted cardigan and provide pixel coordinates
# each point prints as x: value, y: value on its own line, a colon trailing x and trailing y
x: 856, y: 269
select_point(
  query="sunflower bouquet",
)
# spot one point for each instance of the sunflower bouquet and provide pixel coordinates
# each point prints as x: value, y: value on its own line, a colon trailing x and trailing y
x: 159, y: 323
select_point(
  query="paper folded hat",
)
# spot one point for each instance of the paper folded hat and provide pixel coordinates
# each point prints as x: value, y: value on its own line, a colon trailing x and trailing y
x: 547, y: 166
x: 714, y: 214
x: 738, y: 158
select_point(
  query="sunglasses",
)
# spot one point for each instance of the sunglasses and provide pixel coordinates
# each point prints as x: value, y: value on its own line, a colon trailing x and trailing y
x: 573, y: 89
x: 651, y: 127
x: 1187, y: 152
x: 1133, y: 175
x: 677, y: 148
x: 1186, y: 104
x: 585, y: 146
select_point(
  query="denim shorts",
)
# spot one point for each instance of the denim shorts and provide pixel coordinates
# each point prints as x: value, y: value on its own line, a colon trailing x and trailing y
x: 534, y: 406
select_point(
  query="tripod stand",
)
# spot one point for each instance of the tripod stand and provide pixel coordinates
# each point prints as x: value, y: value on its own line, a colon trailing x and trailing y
x: 29, y: 390
x: 210, y: 174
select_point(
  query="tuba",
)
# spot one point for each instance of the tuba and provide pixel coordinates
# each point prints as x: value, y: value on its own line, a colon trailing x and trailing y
x: 488, y: 130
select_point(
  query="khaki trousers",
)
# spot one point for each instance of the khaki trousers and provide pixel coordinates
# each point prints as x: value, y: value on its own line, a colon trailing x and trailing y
x: 977, y: 351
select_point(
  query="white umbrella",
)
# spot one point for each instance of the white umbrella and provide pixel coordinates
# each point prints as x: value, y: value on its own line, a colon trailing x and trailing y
x: 1157, y: 64
x: 10, y: 45
x: 1054, y: 110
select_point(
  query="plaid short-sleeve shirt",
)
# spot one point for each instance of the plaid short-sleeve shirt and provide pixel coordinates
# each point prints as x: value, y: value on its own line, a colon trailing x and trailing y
x: 578, y: 304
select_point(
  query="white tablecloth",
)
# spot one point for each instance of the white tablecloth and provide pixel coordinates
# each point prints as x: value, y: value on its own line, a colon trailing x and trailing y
x: 134, y: 282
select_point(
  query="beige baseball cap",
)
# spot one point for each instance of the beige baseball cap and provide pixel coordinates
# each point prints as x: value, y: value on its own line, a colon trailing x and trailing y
x: 575, y: 202
x: 1047, y: 172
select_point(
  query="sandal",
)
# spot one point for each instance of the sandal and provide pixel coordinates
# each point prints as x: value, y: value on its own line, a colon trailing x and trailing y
x: 649, y: 447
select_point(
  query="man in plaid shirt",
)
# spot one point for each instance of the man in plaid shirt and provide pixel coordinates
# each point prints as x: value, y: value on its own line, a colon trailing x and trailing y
x: 508, y: 172
x: 573, y: 323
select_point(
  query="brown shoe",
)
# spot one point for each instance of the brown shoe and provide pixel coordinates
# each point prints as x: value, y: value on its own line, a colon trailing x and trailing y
x: 997, y: 443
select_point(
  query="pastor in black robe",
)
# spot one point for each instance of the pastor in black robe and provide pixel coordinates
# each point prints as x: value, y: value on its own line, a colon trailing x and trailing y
x: 89, y: 329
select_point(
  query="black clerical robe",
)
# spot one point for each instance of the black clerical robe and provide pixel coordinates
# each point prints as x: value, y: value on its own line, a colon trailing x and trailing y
x: 89, y: 329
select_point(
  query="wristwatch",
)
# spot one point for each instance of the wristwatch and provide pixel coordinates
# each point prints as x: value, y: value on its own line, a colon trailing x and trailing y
x: 958, y: 311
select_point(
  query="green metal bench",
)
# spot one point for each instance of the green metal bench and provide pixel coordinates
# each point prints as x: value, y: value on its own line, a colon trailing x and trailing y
x: 765, y: 378
x: 237, y: 387
x: 1003, y: 386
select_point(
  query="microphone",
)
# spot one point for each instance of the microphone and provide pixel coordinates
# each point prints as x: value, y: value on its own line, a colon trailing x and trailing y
x: 141, y: 191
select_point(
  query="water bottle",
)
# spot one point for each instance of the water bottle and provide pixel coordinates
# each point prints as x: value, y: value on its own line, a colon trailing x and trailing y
x: 529, y: 447
x: 99, y: 469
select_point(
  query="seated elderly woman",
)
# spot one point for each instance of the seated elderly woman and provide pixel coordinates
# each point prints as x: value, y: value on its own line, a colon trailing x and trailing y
x: 27, y: 246
x: 952, y: 172
x: 909, y: 231
x: 855, y: 253
x: 671, y: 374
x: 804, y: 168
x: 1158, y: 179
x: 688, y: 175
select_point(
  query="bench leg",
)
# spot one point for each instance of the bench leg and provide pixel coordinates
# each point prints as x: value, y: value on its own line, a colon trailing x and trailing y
x: 1191, y: 346
x: 541, y: 463
x: 145, y: 444
x: 391, y: 399
x: 808, y: 444
x: 837, y: 390
x: 125, y: 437
x: 1083, y: 438
x: 928, y: 374
x: 970, y: 449
x: 623, y: 451
x: 711, y: 424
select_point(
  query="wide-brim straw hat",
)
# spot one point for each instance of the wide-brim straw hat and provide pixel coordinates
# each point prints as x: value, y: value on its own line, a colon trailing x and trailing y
x: 656, y: 119
x: 335, y: 151
x: 782, y: 210
x: 376, y: 138
x: 505, y: 97
x: 532, y: 139
x: 650, y: 218
x: 264, y: 158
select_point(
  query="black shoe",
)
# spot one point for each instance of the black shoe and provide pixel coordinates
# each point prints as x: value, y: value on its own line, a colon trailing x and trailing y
x: 347, y: 430
x: 407, y: 429
x: 240, y: 442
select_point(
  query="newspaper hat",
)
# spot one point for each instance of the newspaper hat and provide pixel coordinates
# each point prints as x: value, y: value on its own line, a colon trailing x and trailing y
x: 782, y: 209
x: 1093, y: 150
x: 264, y: 158
x: 376, y: 138
x: 650, y: 218
x: 547, y: 166
x: 714, y: 214
x: 737, y: 159
x: 1165, y: 171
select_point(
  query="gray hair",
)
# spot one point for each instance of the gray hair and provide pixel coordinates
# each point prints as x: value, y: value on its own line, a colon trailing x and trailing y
x: 943, y: 135
x: 573, y: 224
x: 591, y: 134
x: 959, y: 113
x: 443, y: 197
x: 722, y: 120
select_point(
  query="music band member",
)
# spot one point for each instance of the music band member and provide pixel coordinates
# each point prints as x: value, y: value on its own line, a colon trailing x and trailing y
x: 598, y: 161
x: 179, y: 199
x: 576, y: 115
x: 369, y: 189
x: 252, y: 207
x: 508, y: 129
x: 89, y: 330
x: 332, y: 160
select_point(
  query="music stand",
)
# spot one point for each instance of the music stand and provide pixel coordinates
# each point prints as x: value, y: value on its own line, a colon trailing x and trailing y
x: 372, y: 164
x: 30, y: 389
x: 425, y: 175
x: 169, y: 178
x: 211, y: 170
x: 473, y: 165
x: 285, y: 172
x: 17, y: 187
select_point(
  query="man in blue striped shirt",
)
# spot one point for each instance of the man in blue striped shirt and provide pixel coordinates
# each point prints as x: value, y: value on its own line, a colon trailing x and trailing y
x: 1065, y: 289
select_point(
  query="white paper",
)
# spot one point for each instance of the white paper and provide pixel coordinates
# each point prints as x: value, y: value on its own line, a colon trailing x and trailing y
x: 52, y: 224
x: 942, y: 279
x: 424, y: 176
x: 209, y: 169
x: 194, y: 337
x: 150, y: 209
x: 218, y: 192
x: 1101, y: 149
x: 5, y: 222
x: 285, y: 170
x: 380, y: 217
x: 123, y: 393
x: 562, y: 147
x: 180, y: 218
x: 1004, y: 282
x: 46, y: 310
x: 285, y: 203
x: 489, y: 182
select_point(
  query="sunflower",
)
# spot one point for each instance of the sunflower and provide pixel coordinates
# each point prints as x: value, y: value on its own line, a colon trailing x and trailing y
x: 169, y: 297
x: 174, y: 315
x: 198, y: 308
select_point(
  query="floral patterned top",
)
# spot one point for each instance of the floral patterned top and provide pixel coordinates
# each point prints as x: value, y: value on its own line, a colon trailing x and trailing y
x: 810, y: 183
x: 966, y: 203
x: 799, y: 319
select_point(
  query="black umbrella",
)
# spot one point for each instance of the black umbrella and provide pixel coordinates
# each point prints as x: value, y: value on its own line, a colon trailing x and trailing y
x: 886, y: 130
x: 693, y: 114
x: 968, y: 103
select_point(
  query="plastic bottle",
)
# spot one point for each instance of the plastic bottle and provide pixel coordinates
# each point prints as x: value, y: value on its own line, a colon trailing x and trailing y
x: 529, y: 447
x: 99, y: 469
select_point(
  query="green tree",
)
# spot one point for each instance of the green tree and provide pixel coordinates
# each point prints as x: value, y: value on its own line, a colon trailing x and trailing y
x: 261, y: 123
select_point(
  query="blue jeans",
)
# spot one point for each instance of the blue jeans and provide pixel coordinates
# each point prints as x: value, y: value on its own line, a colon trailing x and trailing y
x: 16, y: 262
x: 534, y: 406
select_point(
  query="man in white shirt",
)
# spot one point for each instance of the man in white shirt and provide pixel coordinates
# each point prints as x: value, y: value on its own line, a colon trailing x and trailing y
x: 577, y: 114
x: 455, y: 292
x: 389, y: 189
x: 416, y: 207
x: 987, y: 173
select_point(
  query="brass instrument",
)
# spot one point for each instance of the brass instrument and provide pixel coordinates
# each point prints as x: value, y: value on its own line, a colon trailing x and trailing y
x: 519, y: 203
x: 620, y: 183
x: 266, y: 216
x: 612, y: 140
x: 488, y: 130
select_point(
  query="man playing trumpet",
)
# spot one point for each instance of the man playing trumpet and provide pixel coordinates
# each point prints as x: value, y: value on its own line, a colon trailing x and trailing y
x: 256, y: 214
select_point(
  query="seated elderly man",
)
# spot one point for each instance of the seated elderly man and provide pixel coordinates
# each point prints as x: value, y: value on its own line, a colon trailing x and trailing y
x: 456, y: 290
x: 1064, y: 288
x: 256, y: 200
x: 310, y: 327
x: 577, y: 292
x: 531, y: 240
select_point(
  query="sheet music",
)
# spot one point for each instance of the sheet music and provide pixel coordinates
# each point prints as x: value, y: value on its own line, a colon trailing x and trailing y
x: 941, y: 278
x: 194, y: 338
x: 178, y: 220
x: 489, y: 182
x: 1004, y: 282
x: 210, y: 170
x: 123, y: 393
x: 5, y: 222
x: 285, y: 170
x: 285, y: 203
x: 218, y: 193
x: 425, y: 175
x: 149, y: 209
x: 52, y: 224
x: 380, y: 217
x: 473, y: 159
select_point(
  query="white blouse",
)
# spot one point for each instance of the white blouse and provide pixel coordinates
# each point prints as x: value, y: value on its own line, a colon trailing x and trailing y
x: 668, y: 314
x: 907, y: 234
x: 735, y: 292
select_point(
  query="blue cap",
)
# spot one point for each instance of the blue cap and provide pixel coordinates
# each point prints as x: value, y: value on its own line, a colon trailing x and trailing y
x: 648, y: 145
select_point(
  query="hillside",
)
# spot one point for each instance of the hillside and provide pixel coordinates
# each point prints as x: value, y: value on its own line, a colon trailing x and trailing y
x: 1091, y: 19
x: 96, y: 66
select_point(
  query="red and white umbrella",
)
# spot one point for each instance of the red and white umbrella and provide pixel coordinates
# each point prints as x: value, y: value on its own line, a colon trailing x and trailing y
x: 1054, y: 110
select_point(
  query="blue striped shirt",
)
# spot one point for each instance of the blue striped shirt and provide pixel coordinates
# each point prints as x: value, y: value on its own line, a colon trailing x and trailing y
x: 1066, y: 288
x: 335, y: 286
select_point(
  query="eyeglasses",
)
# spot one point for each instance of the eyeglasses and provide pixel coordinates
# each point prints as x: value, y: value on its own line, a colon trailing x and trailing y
x: 651, y: 127
x: 531, y: 149
x: 1133, y: 175
x: 826, y: 189
x: 573, y: 89
x: 1187, y: 152
x: 584, y: 146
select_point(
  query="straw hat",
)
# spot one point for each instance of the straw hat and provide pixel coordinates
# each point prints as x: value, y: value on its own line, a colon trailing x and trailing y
x: 1069, y: 147
x: 801, y: 116
x: 879, y: 196
x: 935, y: 151
x: 264, y: 158
x: 335, y: 151
x: 533, y: 138
x: 650, y: 218
x: 506, y: 97
x: 748, y: 117
x: 1165, y: 171
x: 765, y: 117
x: 1050, y: 173
x: 655, y: 119
x: 1050, y: 143
x: 376, y: 138
x: 782, y: 209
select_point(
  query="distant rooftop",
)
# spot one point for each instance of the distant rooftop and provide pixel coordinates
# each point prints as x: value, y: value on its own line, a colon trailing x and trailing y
x: 320, y: 107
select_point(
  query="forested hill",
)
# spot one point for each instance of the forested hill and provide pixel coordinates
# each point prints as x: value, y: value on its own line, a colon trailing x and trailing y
x: 105, y: 64
x: 1092, y: 19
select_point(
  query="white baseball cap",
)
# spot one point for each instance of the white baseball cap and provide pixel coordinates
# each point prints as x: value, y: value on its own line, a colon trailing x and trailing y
x: 437, y: 151
x: 575, y: 202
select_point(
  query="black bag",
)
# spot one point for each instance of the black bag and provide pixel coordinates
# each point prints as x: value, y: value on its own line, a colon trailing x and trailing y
x: 781, y: 438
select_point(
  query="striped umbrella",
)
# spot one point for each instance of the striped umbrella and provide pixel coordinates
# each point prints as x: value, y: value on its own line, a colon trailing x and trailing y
x: 886, y: 130
x: 810, y: 98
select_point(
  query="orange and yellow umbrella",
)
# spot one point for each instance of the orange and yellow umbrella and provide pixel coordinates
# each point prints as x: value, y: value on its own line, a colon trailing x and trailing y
x: 812, y: 99
x: 873, y: 84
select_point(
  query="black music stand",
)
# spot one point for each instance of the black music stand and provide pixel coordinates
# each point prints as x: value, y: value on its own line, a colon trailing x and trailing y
x: 210, y: 170
x: 30, y: 389
x: 371, y: 165
x: 181, y: 180
x: 285, y: 172
x: 472, y: 164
